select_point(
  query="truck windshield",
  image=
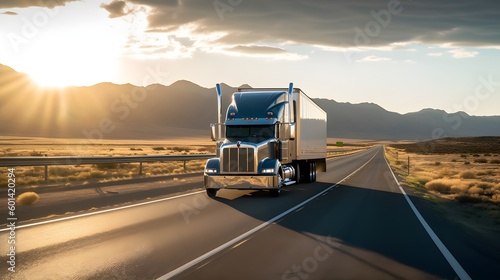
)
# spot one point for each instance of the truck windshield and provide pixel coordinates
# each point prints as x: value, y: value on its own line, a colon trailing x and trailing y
x: 249, y: 133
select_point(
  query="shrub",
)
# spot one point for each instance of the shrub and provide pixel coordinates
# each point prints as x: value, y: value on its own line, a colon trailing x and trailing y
x: 476, y: 190
x: 459, y: 188
x: 437, y: 163
x: 485, y: 186
x: 438, y: 186
x: 106, y: 166
x: 180, y: 149
x: 462, y: 155
x: 447, y: 172
x: 453, y: 160
x: 35, y: 154
x: 467, y: 175
x: 27, y: 198
x: 481, y: 160
x: 158, y: 148
x: 97, y: 174
x: 495, y: 161
x: 486, y: 173
x: 466, y: 162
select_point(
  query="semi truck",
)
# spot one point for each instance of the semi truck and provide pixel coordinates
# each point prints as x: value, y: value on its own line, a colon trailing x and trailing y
x: 269, y: 138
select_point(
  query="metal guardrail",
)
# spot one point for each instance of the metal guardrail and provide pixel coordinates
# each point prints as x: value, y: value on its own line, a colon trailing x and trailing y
x: 86, y: 160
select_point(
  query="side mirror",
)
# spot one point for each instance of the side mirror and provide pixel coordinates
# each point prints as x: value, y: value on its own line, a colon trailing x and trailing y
x: 212, y: 132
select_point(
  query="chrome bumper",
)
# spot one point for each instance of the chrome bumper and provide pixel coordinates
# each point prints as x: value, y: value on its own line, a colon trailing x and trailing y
x: 241, y: 182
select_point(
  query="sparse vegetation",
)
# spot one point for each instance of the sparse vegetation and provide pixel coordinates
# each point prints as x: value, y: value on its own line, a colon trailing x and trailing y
x: 450, y: 180
x: 35, y: 175
x: 462, y: 189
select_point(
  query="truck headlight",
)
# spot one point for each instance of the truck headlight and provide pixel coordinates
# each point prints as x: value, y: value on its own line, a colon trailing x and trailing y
x: 268, y: 170
x: 210, y: 170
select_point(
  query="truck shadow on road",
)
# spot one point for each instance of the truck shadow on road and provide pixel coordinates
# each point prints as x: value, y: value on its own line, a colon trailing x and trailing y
x: 371, y: 227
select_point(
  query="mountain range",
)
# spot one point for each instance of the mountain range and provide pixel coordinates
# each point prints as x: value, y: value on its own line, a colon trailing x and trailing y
x: 111, y: 111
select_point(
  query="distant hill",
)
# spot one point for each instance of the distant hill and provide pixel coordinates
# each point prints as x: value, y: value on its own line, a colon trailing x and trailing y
x: 183, y: 108
x: 485, y: 145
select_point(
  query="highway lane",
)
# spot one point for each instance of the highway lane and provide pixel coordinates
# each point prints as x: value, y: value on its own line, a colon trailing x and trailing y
x: 362, y: 228
x: 153, y: 239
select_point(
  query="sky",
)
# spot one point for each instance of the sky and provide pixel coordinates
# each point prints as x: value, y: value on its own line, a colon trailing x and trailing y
x: 404, y: 55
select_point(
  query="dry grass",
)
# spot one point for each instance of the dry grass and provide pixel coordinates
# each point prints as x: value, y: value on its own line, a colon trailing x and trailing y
x: 69, y: 174
x: 468, y: 191
x: 451, y: 179
x: 27, y: 198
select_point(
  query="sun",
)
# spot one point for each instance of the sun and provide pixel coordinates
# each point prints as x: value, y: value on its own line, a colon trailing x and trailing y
x: 75, y: 52
x: 71, y: 60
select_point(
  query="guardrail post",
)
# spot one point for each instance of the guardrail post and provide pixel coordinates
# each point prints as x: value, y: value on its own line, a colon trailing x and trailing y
x: 140, y: 168
x: 184, y: 166
x: 408, y: 165
x: 46, y: 173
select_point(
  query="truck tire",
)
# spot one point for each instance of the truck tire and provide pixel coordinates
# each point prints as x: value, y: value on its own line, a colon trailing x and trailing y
x: 276, y: 192
x: 313, y: 172
x: 297, y: 173
x: 310, y: 172
x: 212, y: 192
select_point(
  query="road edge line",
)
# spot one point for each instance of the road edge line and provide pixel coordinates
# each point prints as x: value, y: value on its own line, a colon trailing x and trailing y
x: 104, y: 211
x: 452, y: 261
x: 241, y: 237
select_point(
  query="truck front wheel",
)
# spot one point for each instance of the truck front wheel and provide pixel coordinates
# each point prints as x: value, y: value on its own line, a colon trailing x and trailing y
x: 276, y: 192
x: 212, y: 192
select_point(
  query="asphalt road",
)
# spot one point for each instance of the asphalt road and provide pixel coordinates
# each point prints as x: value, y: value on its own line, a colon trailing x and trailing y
x: 354, y: 223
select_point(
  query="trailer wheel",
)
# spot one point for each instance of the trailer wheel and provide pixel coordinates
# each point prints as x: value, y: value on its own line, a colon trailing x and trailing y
x: 212, y: 192
x: 313, y: 171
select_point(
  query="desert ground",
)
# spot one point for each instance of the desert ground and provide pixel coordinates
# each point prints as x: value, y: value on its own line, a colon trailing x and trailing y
x: 458, y: 176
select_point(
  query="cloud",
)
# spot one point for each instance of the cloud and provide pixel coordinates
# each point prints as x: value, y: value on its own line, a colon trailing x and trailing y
x: 373, y: 58
x: 343, y: 24
x: 33, y: 3
x: 461, y: 53
x: 262, y: 51
x: 254, y: 49
x: 435, y: 54
x: 116, y: 8
x: 10, y: 13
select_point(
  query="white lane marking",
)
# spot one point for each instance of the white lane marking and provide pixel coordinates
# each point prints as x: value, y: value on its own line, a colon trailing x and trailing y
x: 103, y: 211
x: 243, y: 236
x: 462, y: 274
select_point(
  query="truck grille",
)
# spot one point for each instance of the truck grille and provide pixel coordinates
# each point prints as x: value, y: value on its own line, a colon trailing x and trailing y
x: 238, y: 160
